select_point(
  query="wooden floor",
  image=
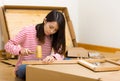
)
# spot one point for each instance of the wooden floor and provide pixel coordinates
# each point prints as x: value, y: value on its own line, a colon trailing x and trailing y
x: 7, y: 73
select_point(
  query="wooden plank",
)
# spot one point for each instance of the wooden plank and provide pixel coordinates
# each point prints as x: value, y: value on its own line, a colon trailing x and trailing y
x: 111, y: 66
x: 114, y: 60
x: 55, y: 62
x: 33, y: 7
x: 87, y: 64
x: 101, y: 69
x: 10, y: 62
x: 95, y: 60
x: 3, y: 25
x: 70, y: 26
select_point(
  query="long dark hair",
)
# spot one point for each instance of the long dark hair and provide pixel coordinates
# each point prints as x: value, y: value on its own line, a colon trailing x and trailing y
x: 58, y: 39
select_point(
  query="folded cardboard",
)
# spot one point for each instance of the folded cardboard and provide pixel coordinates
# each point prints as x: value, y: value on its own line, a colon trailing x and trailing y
x: 39, y: 62
x: 100, y: 65
x: 67, y: 72
x: 11, y: 20
x: 77, y: 52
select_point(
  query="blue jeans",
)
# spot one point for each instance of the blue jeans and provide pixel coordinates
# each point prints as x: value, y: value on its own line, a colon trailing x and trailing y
x: 21, y: 72
x: 67, y: 58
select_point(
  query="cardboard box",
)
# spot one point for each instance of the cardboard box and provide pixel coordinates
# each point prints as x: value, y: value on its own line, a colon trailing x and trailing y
x: 77, y: 52
x: 11, y: 20
x: 67, y: 72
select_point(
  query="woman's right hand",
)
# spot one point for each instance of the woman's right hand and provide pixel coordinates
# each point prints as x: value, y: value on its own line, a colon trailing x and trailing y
x: 25, y: 52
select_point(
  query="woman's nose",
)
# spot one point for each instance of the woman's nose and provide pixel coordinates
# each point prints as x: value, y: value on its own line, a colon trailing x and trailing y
x: 52, y: 31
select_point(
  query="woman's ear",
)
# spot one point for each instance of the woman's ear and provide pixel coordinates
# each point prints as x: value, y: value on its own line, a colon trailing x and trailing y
x: 45, y: 20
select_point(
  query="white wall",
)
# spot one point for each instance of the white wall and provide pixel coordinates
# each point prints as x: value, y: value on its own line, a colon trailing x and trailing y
x: 95, y: 21
x: 99, y: 22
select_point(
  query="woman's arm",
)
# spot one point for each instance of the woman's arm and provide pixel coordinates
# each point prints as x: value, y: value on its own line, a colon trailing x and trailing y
x: 13, y: 46
x: 58, y: 56
x: 51, y: 58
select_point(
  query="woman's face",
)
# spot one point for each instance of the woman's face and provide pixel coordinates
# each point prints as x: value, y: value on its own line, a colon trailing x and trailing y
x: 50, y: 27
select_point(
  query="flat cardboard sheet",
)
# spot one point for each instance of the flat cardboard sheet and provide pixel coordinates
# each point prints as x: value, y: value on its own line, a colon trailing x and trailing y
x: 39, y: 62
x: 14, y: 18
x: 18, y: 18
x: 68, y: 72
x: 99, y: 65
x: 77, y: 52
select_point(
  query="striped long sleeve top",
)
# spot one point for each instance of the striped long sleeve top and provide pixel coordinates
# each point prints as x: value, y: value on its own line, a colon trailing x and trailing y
x: 26, y: 38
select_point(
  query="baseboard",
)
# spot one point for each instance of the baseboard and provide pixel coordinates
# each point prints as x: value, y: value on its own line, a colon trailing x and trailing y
x: 98, y: 48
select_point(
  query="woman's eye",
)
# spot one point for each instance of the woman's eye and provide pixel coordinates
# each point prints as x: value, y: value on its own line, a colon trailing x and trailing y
x: 51, y: 27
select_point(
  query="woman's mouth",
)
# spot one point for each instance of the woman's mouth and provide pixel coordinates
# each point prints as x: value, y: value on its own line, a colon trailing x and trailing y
x: 48, y: 33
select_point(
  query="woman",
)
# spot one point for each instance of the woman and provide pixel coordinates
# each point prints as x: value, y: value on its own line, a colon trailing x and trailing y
x: 50, y: 35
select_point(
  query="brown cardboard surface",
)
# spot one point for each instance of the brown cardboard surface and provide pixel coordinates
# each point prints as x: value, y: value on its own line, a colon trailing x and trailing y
x: 11, y: 20
x: 104, y: 65
x: 55, y: 73
x: 77, y: 52
x: 39, y: 62
x: 67, y: 72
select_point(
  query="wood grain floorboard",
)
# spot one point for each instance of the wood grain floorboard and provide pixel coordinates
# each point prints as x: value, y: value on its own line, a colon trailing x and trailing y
x: 7, y: 73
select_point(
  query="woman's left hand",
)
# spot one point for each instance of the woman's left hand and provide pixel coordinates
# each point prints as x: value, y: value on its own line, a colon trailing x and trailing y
x: 49, y: 59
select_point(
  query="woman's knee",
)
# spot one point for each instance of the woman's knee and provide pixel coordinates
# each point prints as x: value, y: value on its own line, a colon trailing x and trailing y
x: 21, y: 72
